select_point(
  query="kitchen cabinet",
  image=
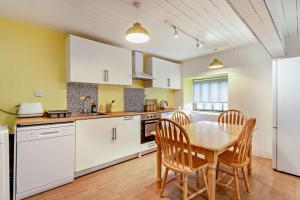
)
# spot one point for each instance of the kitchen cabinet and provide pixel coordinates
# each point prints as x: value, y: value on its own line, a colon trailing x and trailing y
x: 100, y: 141
x: 93, y: 62
x: 165, y: 74
x: 94, y: 142
x: 128, y: 136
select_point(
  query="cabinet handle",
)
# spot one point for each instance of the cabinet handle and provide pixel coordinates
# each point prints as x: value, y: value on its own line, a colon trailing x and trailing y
x: 168, y: 82
x: 113, y: 134
x: 107, y: 76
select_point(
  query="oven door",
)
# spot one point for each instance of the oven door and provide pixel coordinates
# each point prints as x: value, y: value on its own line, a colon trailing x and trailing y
x: 147, y: 127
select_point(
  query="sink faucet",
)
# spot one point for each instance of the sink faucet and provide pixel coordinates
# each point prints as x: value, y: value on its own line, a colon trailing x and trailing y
x: 84, y: 108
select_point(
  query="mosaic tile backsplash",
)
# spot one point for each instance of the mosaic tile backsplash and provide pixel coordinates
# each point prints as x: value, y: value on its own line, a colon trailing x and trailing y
x: 77, y: 90
x: 134, y: 99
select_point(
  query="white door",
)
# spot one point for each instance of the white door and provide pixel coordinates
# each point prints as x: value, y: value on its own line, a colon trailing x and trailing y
x: 288, y: 111
x: 84, y: 61
x: 94, y: 142
x: 128, y: 136
x: 119, y: 66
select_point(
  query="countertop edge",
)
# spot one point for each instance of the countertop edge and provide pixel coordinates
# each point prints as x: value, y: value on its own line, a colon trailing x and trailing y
x: 73, y: 118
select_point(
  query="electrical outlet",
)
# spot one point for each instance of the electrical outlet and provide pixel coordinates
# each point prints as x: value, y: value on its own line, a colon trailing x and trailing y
x: 38, y: 93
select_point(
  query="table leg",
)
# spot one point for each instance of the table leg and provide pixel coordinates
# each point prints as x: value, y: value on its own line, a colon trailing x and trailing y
x: 158, y: 166
x: 250, y: 160
x: 211, y: 177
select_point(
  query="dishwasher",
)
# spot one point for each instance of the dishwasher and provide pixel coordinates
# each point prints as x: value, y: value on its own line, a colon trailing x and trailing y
x: 44, y: 158
x: 4, y: 163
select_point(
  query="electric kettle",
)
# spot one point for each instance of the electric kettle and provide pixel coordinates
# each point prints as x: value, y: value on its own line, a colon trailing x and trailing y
x: 163, y: 105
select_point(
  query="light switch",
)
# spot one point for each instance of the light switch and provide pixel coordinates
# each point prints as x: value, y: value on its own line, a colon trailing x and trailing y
x: 38, y: 93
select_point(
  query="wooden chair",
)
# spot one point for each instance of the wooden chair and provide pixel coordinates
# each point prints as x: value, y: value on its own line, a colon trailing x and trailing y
x: 238, y: 158
x: 177, y: 156
x: 181, y: 118
x: 232, y: 117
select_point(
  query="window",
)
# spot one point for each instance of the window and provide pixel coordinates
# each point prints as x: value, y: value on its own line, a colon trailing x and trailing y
x: 211, y: 94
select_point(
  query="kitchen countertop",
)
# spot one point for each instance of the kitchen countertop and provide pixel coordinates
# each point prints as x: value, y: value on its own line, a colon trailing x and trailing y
x: 74, y: 117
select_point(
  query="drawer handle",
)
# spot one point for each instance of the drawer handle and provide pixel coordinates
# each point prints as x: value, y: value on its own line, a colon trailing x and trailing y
x: 128, y: 118
x: 49, y: 133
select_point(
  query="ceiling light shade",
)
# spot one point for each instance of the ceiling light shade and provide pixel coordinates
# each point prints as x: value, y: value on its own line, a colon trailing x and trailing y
x: 216, y: 64
x: 137, y: 34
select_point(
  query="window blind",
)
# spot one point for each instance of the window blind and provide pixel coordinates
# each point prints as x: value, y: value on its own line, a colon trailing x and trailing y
x: 211, y: 90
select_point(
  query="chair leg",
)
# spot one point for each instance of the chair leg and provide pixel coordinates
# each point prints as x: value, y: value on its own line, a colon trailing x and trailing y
x: 205, y: 182
x: 197, y: 179
x: 185, y: 187
x: 246, y: 179
x: 164, y: 182
x: 236, y: 183
x: 217, y: 172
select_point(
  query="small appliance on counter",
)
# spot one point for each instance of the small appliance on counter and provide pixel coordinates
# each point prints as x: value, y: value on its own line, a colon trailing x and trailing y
x: 57, y: 113
x: 150, y: 105
x: 30, y: 110
x: 163, y: 105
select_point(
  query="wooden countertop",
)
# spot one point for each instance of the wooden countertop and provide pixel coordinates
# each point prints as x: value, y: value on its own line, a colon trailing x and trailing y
x: 74, y: 117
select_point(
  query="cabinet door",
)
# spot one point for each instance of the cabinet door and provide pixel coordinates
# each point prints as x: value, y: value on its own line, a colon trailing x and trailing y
x: 175, y: 75
x: 128, y: 136
x: 84, y: 61
x: 94, y: 142
x: 160, y: 73
x: 119, y: 66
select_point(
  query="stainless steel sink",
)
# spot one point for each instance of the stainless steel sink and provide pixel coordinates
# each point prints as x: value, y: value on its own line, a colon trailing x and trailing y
x: 90, y: 114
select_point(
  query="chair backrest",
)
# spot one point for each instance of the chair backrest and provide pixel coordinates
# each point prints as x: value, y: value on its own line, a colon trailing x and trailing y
x: 181, y: 118
x: 232, y: 117
x: 174, y: 143
x: 242, y: 147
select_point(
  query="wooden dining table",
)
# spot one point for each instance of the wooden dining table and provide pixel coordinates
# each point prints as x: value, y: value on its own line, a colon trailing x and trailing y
x: 209, y: 139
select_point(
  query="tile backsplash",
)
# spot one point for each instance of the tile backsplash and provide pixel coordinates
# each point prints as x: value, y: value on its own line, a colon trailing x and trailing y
x: 134, y: 99
x: 77, y: 90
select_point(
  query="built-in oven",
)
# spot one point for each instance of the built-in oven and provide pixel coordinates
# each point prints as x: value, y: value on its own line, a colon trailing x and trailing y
x: 148, y: 125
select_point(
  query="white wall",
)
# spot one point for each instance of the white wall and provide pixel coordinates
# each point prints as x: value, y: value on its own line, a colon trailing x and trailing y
x: 250, y: 87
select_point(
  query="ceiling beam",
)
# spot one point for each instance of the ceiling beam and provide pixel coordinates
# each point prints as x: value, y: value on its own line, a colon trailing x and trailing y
x: 256, y: 15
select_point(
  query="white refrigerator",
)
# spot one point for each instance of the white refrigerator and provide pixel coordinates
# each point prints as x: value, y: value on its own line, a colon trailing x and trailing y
x: 4, y: 163
x: 286, y: 115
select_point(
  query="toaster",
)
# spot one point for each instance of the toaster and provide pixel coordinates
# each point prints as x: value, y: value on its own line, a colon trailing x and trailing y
x: 30, y: 110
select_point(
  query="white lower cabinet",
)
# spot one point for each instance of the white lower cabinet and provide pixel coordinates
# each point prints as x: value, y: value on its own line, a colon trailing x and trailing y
x: 128, y: 137
x: 94, y: 143
x: 100, y: 141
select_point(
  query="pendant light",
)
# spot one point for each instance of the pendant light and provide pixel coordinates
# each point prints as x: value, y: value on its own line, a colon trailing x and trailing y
x: 215, y: 64
x: 137, y: 33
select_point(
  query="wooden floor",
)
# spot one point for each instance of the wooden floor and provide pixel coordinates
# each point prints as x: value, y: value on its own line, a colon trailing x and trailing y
x: 136, y: 179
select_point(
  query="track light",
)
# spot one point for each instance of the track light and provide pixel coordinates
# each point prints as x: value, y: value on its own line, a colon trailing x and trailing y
x: 199, y: 45
x: 175, y: 32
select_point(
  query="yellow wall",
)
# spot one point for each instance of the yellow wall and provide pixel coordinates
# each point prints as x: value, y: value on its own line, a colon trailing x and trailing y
x: 33, y: 57
x: 107, y: 93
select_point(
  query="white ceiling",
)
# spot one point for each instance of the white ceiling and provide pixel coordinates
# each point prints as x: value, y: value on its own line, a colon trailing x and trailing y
x: 287, y: 13
x: 212, y: 21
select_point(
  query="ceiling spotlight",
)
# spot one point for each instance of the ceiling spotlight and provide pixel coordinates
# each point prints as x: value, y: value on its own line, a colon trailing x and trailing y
x: 199, y: 45
x: 175, y: 32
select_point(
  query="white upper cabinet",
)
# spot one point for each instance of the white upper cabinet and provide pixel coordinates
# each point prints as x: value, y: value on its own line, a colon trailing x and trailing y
x: 165, y: 74
x: 93, y: 62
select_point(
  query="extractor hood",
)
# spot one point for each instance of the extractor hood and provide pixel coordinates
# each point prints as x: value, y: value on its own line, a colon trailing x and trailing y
x: 138, y: 67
